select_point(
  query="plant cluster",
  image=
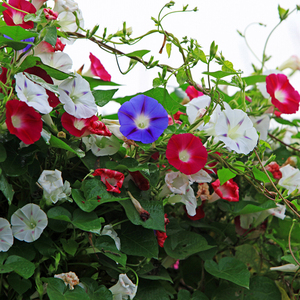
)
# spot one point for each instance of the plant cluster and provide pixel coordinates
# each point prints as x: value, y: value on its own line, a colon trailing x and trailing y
x: 182, y: 194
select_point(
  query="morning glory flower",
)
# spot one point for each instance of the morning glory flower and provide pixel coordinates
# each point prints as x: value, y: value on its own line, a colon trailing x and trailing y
x: 290, y: 178
x: 33, y: 94
x: 261, y: 124
x: 76, y: 95
x: 28, y: 223
x: 142, y: 119
x: 101, y: 145
x: 109, y: 230
x: 123, y: 288
x: 196, y: 106
x: 6, y: 236
x: 57, y: 60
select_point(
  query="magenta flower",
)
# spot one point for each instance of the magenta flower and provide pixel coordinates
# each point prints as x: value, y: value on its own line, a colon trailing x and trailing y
x: 112, y: 179
x: 23, y: 121
x: 283, y: 95
x: 228, y: 191
x: 97, y: 68
x: 186, y: 153
x: 142, y: 119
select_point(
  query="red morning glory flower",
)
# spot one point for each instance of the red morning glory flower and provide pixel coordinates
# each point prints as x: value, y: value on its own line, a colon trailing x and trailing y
x: 142, y: 119
x: 112, y: 179
x: 283, y: 95
x: 23, y: 121
x: 228, y: 191
x: 186, y: 153
x: 13, y: 17
x: 97, y: 68
x: 192, y: 92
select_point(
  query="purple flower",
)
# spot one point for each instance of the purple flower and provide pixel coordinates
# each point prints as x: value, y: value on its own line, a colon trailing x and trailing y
x: 31, y: 40
x: 142, y: 119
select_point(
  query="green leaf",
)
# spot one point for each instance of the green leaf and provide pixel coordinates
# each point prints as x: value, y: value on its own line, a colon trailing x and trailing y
x: 227, y: 66
x: 19, y: 284
x: 17, y: 33
x: 283, y: 13
x: 156, y: 82
x: 102, y: 97
x: 284, y: 122
x: 168, y: 49
x: 199, y: 54
x: 220, y: 74
x: 181, y: 76
x: 94, y: 194
x: 155, y: 208
x: 51, y: 87
x: 139, y: 53
x: 248, y: 255
x: 160, y: 274
x: 58, y: 143
x: 6, y: 189
x: 224, y: 175
x: 59, y: 213
x: 260, y: 175
x: 4, y: 42
x: 20, y: 265
x: 2, y: 153
x: 137, y: 240
x: 185, y: 243
x: 199, y: 296
x: 51, y: 35
x: 70, y: 246
x: 94, y: 82
x: 230, y: 269
x: 184, y: 295
x: 106, y: 245
x: 150, y: 290
x: 249, y: 207
x: 96, y: 292
x: 252, y: 80
x: 262, y: 288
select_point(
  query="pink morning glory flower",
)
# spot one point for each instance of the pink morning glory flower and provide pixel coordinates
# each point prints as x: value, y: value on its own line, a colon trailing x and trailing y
x: 283, y: 95
x: 142, y: 119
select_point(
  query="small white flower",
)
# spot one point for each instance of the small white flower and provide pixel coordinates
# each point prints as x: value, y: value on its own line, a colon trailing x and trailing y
x: 28, y: 223
x: 261, y: 124
x: 6, y: 236
x: 65, y: 5
x: 286, y: 268
x: 77, y: 97
x: 290, y: 178
x: 236, y: 130
x: 200, y: 177
x: 293, y: 63
x: 123, y: 288
x: 114, y: 127
x: 57, y: 60
x: 104, y: 145
x: 195, y: 105
x: 67, y: 21
x: 33, y: 94
x: 278, y: 211
x: 177, y: 182
x: 70, y: 279
x: 108, y: 230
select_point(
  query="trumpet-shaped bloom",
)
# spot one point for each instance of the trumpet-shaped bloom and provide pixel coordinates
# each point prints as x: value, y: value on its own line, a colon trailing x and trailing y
x: 196, y: 107
x: 23, y: 121
x: 228, y: 191
x: 97, y: 68
x: 56, y: 60
x: 101, y: 145
x: 283, y: 95
x: 28, y: 223
x: 67, y: 21
x: 123, y: 288
x: 65, y: 5
x: 14, y: 17
x: 112, y: 179
x: 142, y: 119
x: 109, y: 230
x: 236, y: 130
x: 290, y: 178
x: 293, y: 63
x: 186, y: 153
x: 77, y: 97
x: 33, y: 94
x: 261, y: 124
x: 6, y: 236
x: 192, y: 92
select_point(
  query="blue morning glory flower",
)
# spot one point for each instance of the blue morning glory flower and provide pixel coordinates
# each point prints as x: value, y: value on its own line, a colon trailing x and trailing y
x: 26, y: 40
x: 142, y: 119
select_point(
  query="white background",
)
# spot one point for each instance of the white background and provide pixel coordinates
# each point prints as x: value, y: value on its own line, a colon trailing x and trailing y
x: 216, y: 20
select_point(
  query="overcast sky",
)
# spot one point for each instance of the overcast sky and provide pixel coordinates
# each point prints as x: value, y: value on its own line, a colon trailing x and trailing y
x: 216, y: 20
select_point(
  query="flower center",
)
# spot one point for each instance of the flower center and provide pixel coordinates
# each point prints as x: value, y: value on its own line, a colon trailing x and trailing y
x: 32, y: 225
x: 279, y: 95
x: 17, y: 18
x: 142, y: 122
x: 184, y: 156
x: 16, y: 121
x: 79, y: 124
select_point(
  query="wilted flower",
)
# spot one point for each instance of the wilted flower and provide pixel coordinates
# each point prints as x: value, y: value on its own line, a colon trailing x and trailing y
x: 228, y: 191
x: 123, y: 288
x: 70, y: 279
x: 142, y: 119
x: 6, y: 236
x: 112, y: 179
x: 101, y: 145
x: 28, y: 223
x: 283, y: 95
x: 293, y: 63
x: 274, y: 168
x: 290, y: 178
x: 186, y: 153
x: 286, y: 268
x: 23, y: 121
x: 50, y: 14
x: 108, y: 230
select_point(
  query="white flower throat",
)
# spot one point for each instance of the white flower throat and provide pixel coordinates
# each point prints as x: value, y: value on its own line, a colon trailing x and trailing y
x: 142, y: 121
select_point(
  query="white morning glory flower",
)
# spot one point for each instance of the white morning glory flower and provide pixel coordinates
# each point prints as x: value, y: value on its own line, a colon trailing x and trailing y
x: 290, y: 178
x: 57, y: 60
x: 77, y: 97
x: 108, y: 230
x: 123, y: 288
x: 101, y: 145
x: 67, y: 21
x: 196, y: 105
x: 28, y: 223
x: 236, y: 130
x: 53, y: 186
x: 33, y: 94
x: 261, y: 124
x: 6, y: 236
x: 65, y: 5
